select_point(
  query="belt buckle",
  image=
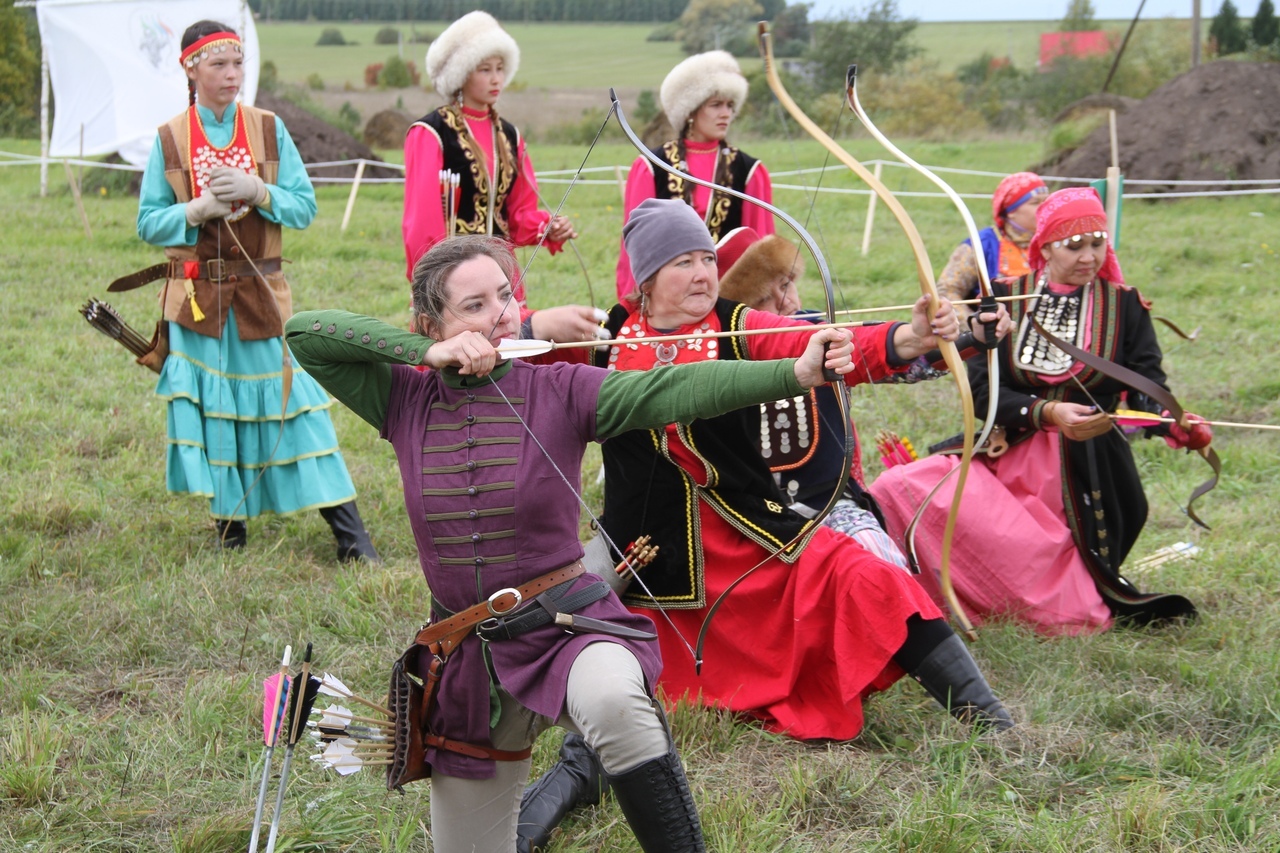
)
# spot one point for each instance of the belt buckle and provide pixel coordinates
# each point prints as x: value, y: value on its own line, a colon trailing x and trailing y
x: 216, y: 269
x: 493, y: 601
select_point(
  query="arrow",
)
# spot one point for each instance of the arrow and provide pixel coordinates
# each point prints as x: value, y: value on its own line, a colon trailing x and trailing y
x: 1127, y: 417
x: 275, y: 693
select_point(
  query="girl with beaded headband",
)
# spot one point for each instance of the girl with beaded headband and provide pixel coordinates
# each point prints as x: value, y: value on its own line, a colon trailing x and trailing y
x: 701, y: 97
x: 222, y: 181
x: 467, y: 170
x: 1045, y: 527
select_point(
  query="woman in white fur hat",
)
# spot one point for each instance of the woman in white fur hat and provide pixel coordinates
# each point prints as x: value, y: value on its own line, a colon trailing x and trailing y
x: 469, y: 64
x: 701, y: 97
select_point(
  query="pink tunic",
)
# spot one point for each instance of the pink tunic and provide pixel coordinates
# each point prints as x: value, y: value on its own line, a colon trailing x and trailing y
x: 702, y: 164
x: 423, y: 224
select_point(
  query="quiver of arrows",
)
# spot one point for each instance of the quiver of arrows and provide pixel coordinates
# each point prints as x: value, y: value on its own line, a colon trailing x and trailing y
x: 149, y: 353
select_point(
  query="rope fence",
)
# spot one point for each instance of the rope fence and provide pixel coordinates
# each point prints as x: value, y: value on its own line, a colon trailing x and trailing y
x: 618, y: 173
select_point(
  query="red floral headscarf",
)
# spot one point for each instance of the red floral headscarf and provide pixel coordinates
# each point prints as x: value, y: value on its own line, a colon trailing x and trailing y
x: 1065, y: 214
x: 1012, y: 191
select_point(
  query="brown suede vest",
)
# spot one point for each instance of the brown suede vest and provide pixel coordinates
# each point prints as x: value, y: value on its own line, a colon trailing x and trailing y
x: 261, y: 304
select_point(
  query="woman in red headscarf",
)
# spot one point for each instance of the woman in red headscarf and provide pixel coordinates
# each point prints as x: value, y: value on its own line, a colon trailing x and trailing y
x: 1045, y: 528
x: 1004, y: 247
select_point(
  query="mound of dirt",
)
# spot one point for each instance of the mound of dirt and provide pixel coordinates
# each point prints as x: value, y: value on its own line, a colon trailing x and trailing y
x: 387, y: 129
x: 321, y: 142
x: 1219, y: 121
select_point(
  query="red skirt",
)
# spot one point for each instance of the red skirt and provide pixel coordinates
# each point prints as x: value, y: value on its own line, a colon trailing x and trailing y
x: 796, y: 646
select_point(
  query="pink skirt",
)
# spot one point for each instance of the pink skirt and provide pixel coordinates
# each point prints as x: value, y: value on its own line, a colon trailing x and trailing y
x: 1013, y: 554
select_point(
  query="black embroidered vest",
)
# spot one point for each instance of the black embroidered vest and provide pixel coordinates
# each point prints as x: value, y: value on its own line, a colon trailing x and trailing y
x: 733, y: 168
x: 463, y: 156
x: 648, y: 493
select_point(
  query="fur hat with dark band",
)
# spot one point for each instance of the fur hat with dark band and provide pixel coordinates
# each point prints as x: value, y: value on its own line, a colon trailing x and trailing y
x: 698, y: 78
x: 466, y: 43
x: 749, y: 279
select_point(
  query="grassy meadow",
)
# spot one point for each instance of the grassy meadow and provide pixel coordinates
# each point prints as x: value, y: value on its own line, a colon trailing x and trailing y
x: 132, y: 650
x: 602, y: 54
x: 614, y: 54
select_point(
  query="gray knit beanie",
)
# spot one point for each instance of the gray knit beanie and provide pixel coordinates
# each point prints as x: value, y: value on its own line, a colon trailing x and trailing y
x: 660, y: 229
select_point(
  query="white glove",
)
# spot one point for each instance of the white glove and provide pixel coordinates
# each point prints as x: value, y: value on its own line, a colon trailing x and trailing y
x: 208, y: 206
x: 236, y: 185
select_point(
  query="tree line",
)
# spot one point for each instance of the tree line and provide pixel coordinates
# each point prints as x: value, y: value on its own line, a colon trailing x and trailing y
x: 640, y: 11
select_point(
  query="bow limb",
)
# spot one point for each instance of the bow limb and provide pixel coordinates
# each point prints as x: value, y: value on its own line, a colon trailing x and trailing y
x: 928, y: 287
x: 984, y: 275
x: 1155, y: 391
x: 842, y: 391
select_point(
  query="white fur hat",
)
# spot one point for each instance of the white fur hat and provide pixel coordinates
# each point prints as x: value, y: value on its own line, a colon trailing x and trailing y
x: 466, y: 43
x: 698, y: 78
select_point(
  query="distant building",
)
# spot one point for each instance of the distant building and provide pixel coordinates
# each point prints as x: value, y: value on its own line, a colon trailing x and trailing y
x: 1079, y: 44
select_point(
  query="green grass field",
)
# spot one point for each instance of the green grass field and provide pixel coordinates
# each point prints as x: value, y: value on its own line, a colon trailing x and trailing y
x: 551, y: 55
x: 132, y: 651
x: 590, y: 55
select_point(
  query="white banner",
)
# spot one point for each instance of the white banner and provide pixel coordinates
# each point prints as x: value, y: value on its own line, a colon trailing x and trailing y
x: 114, y: 68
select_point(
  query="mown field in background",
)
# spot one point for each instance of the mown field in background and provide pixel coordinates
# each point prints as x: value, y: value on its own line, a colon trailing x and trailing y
x: 551, y: 55
x: 589, y: 55
x: 132, y: 650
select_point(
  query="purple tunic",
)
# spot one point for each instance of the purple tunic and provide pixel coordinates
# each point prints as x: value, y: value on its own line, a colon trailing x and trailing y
x: 489, y: 511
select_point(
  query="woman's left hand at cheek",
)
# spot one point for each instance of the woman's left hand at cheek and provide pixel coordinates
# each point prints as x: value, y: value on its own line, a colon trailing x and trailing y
x: 829, y: 348
x: 470, y: 352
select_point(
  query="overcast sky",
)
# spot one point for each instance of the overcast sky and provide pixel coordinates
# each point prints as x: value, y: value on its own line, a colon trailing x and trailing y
x: 1030, y: 10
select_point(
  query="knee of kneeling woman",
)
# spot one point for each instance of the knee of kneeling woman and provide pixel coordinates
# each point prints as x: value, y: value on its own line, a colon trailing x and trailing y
x: 608, y: 702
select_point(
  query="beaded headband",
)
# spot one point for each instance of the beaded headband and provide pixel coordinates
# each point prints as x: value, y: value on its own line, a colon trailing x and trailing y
x: 1041, y: 191
x: 212, y: 43
x: 1078, y: 238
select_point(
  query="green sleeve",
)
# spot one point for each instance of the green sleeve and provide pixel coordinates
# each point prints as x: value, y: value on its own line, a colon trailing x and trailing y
x: 351, y: 356
x: 679, y: 394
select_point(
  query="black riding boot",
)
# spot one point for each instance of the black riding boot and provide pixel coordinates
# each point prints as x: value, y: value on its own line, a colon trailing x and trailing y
x: 348, y: 529
x: 950, y: 675
x: 577, y: 779
x: 232, y: 534
x: 658, y: 804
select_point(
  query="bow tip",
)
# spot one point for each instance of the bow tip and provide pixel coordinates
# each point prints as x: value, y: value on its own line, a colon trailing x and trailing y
x: 851, y: 76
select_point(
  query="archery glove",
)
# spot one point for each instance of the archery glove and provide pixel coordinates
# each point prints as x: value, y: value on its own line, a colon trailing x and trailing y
x: 1197, y: 437
x: 231, y: 184
x: 208, y: 206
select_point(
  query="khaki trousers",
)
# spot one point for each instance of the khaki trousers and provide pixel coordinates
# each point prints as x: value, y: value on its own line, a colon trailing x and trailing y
x: 606, y: 702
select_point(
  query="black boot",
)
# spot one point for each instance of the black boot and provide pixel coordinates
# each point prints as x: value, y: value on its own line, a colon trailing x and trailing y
x: 348, y: 529
x: 232, y: 534
x: 950, y: 675
x: 577, y: 779
x: 658, y: 804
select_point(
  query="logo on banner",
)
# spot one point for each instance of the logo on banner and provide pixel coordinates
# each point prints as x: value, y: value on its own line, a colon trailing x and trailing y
x: 155, y: 39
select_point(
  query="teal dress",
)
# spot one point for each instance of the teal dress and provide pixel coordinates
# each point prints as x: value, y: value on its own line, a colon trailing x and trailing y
x: 224, y: 394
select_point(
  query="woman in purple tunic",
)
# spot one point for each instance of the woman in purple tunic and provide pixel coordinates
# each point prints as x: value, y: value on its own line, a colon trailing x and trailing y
x: 490, y: 453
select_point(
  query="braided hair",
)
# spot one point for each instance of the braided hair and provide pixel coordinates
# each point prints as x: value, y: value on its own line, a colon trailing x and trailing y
x: 193, y: 34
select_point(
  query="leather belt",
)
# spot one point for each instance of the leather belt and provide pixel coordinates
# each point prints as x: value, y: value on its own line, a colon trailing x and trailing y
x: 216, y: 270
x: 444, y: 636
x: 555, y: 606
